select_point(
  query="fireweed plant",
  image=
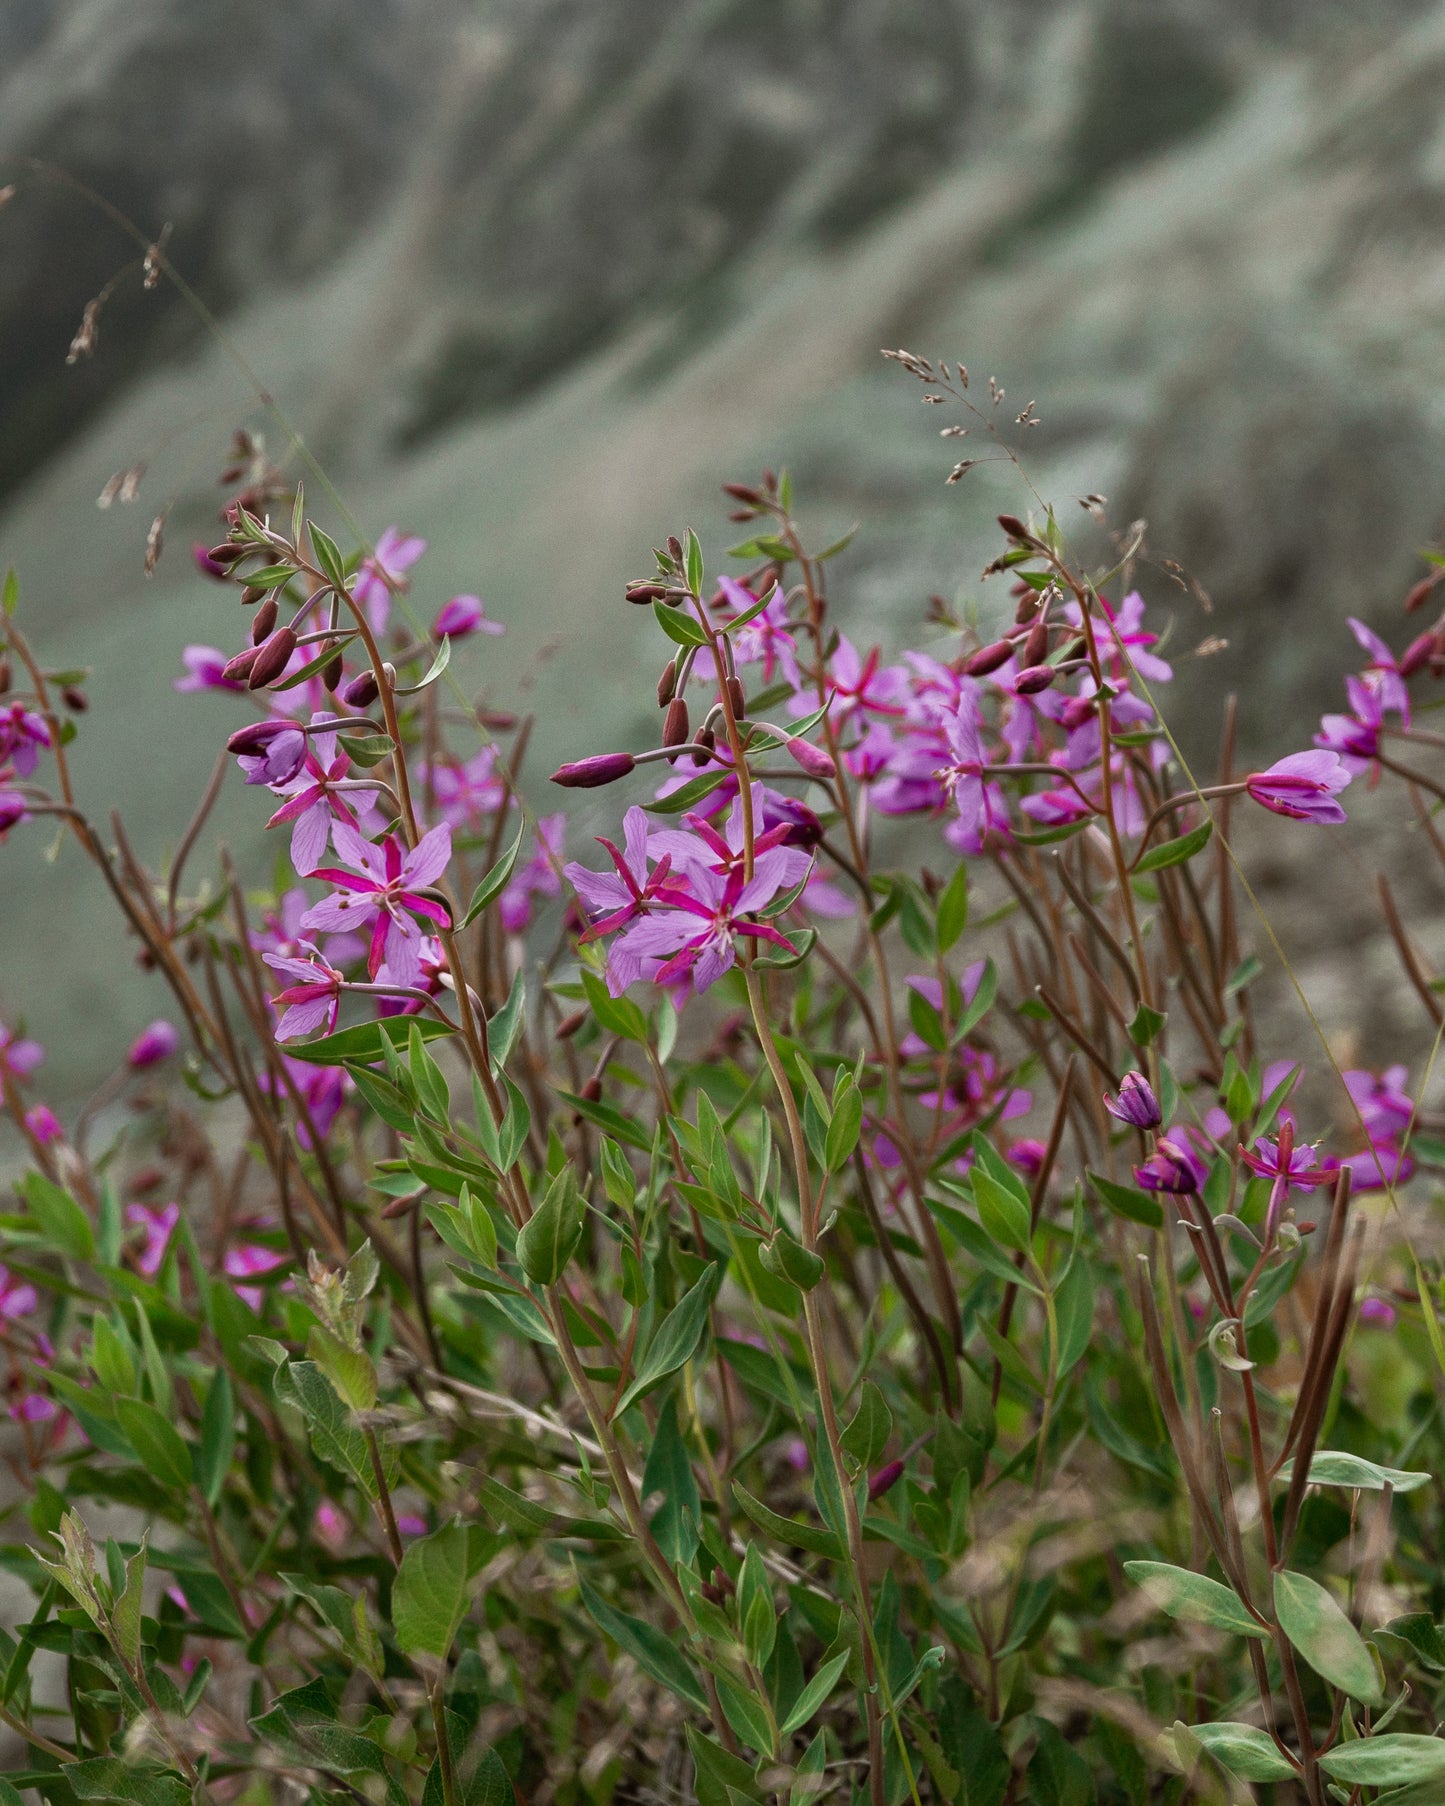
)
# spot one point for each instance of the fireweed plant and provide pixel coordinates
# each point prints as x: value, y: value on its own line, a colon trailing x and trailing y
x: 823, y: 1293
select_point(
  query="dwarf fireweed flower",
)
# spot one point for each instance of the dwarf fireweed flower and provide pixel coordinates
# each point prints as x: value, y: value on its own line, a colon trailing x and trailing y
x: 1172, y: 1167
x: 589, y: 774
x: 618, y: 897
x: 1296, y: 1168
x: 1355, y: 737
x: 383, y: 572
x: 1135, y: 1103
x: 44, y: 1124
x: 693, y: 939
x: 18, y: 1058
x: 205, y: 670
x: 1303, y: 786
x: 312, y: 998
x: 156, y: 1224
x: 152, y: 1045
x: 23, y: 734
x: 13, y: 807
x: 385, y: 884
x: 463, y: 615
x: 314, y: 799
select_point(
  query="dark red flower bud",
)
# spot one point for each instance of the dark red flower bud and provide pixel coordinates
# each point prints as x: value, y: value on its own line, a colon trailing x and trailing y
x: 737, y: 697
x: 989, y: 658
x: 272, y: 658
x: 496, y: 721
x: 263, y: 621
x: 361, y: 692
x: 1016, y: 530
x: 75, y: 700
x: 256, y: 736
x: 332, y: 672
x: 225, y: 553
x: 1036, y: 646
x: 741, y: 493
x: 706, y: 740
x: 1420, y: 593
x: 1076, y: 711
x: 885, y: 1479
x: 1417, y: 654
x: 646, y: 592
x: 253, y: 592
x: 674, y: 545
x: 1036, y: 677
x: 666, y: 684
x: 569, y: 1026
x: 4, y: 674
x: 591, y: 1092
x: 590, y: 774
x: 238, y: 669
x: 676, y: 726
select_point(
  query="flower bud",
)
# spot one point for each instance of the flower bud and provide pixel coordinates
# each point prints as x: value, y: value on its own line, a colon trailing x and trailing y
x: 590, y: 774
x: 884, y: 1480
x: 738, y: 698
x: 1035, y: 678
x: 646, y: 592
x: 676, y: 726
x: 1417, y: 654
x: 152, y: 1045
x: 569, y: 1025
x: 1028, y: 607
x: 263, y: 622
x: 741, y: 493
x: 674, y: 545
x: 989, y: 658
x: 1136, y: 1103
x: 272, y: 658
x: 253, y: 592
x: 816, y: 762
x: 666, y: 684
x: 1076, y: 711
x: 361, y: 692
x: 238, y: 669
x: 705, y: 740
x: 75, y: 700
x: 1036, y: 646
x: 591, y: 1091
x: 4, y: 673
x: 1016, y: 530
x: 225, y: 554
x: 1172, y: 1167
x: 256, y: 736
x: 1420, y: 593
x: 331, y: 673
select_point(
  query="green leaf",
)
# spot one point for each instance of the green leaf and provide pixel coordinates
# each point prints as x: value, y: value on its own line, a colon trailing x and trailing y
x: 107, y: 1779
x: 495, y: 882
x: 334, y: 1438
x: 58, y: 1217
x: 719, y: 1776
x: 430, y: 1594
x: 1315, y: 1623
x: 1329, y: 1467
x: 867, y: 1435
x: 1175, y: 852
x: 787, y: 1531
x: 844, y: 1129
x: 1249, y: 1753
x: 1004, y: 1218
x: 1126, y: 1201
x: 655, y: 1653
x: 678, y: 625
x: 328, y: 556
x: 362, y: 1044
x: 218, y: 1437
x: 1074, y: 1309
x: 350, y: 1370
x: 434, y: 670
x: 675, y: 1340
x: 669, y: 1471
x: 1395, y: 1760
x: 10, y: 593
x: 1145, y: 1024
x: 953, y: 909
x: 1193, y: 1597
x: 977, y: 1244
x: 815, y: 1694
x: 126, y: 1614
x: 156, y: 1441
x: 746, y: 1716
x: 548, y: 1239
x: 789, y: 1259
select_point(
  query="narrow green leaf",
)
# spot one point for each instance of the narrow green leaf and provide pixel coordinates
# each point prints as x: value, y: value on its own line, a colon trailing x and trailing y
x: 1193, y: 1597
x: 679, y: 626
x: 1249, y: 1753
x: 815, y: 1694
x: 1397, y: 1759
x: 1004, y: 1218
x: 1332, y: 1468
x: 867, y: 1435
x: 675, y: 1340
x: 1128, y: 1202
x: 156, y: 1441
x: 1175, y: 852
x: 953, y: 909
x: 58, y: 1217
x: 653, y: 1652
x: 787, y: 1531
x: 495, y: 882
x: 362, y: 1044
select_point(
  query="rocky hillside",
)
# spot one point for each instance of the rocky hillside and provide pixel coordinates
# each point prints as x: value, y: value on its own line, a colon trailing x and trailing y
x: 531, y: 276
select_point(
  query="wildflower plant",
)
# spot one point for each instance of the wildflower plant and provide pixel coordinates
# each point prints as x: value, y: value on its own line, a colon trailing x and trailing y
x: 806, y: 1296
